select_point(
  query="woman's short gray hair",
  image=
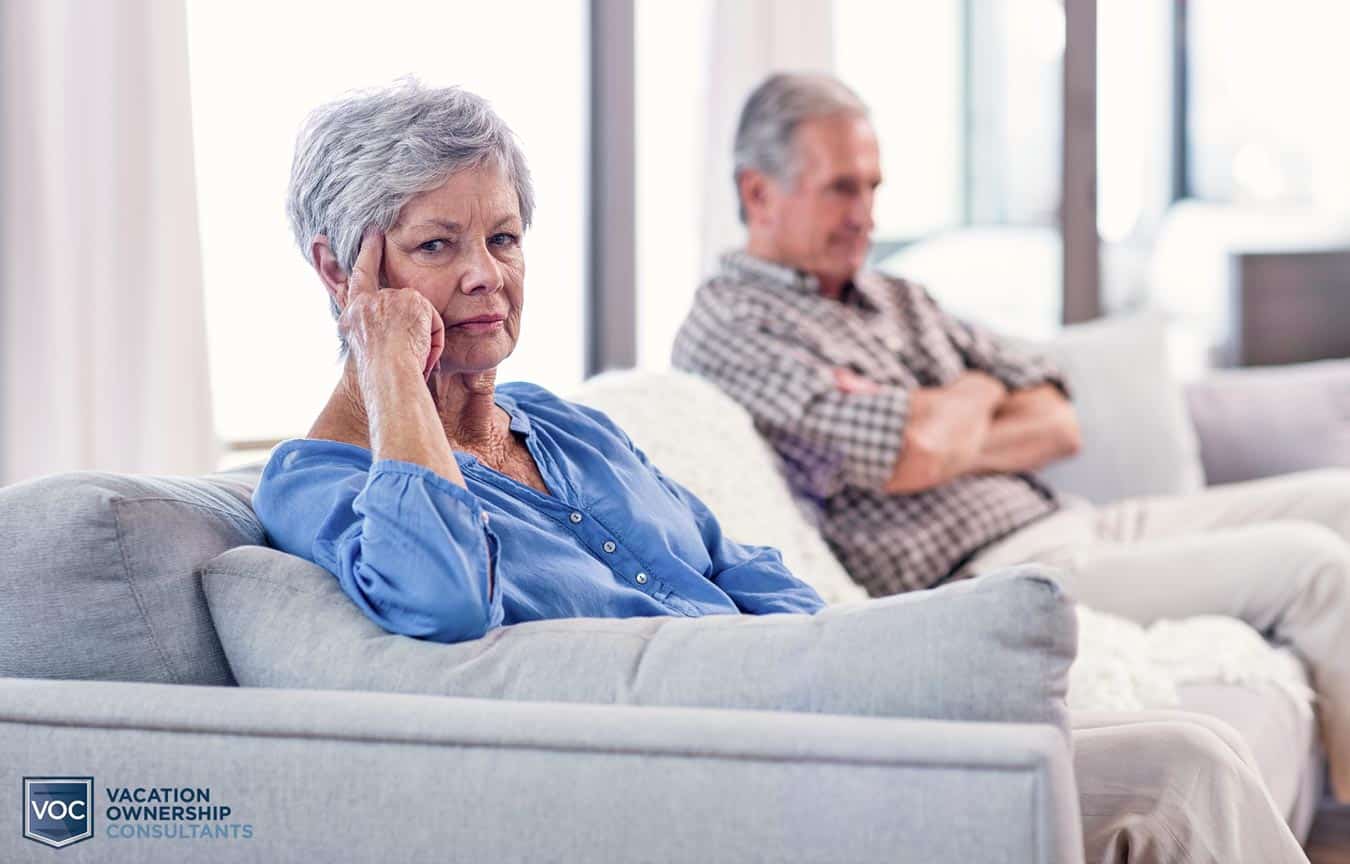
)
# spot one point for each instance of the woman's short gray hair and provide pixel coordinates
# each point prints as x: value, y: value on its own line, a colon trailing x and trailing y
x: 360, y: 158
x: 772, y: 114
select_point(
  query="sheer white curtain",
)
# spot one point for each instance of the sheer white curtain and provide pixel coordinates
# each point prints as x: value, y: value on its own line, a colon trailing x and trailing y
x: 102, y: 337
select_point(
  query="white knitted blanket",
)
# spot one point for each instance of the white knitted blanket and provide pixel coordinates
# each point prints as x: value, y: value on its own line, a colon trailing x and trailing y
x: 1122, y: 666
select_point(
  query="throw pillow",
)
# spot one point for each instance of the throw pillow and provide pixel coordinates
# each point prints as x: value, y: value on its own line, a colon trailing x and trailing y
x: 1137, y: 435
x: 997, y: 648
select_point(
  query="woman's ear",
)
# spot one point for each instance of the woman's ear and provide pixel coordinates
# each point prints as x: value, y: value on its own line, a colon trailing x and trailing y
x: 330, y: 271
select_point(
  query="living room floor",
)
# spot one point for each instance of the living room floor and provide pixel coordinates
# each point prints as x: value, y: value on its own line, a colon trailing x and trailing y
x: 1329, y: 840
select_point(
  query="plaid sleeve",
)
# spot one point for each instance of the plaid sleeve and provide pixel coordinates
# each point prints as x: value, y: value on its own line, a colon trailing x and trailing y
x: 834, y: 438
x: 1017, y: 368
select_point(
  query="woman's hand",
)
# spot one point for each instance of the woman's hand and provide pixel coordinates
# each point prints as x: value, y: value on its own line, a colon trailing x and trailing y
x: 395, y: 325
x: 394, y: 335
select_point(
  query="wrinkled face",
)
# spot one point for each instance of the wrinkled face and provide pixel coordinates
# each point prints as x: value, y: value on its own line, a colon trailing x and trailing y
x: 822, y: 222
x: 459, y: 246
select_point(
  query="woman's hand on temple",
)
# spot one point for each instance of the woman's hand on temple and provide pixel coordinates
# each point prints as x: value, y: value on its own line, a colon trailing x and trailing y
x: 399, y: 325
x: 393, y: 334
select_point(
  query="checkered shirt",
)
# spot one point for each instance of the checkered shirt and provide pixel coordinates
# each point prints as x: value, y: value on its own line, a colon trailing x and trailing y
x: 765, y: 335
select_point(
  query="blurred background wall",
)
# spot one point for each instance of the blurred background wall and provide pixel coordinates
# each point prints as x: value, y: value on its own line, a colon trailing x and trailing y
x: 156, y: 315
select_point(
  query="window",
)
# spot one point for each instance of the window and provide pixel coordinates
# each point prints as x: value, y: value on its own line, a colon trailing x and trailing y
x: 1266, y: 122
x: 904, y: 59
x: 258, y: 68
x: 967, y: 102
x: 672, y: 56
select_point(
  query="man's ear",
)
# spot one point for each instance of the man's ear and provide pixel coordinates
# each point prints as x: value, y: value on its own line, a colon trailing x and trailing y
x: 755, y: 190
x: 330, y: 271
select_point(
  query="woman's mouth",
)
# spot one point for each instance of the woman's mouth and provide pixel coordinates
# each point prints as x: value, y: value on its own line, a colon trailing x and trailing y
x: 481, y: 325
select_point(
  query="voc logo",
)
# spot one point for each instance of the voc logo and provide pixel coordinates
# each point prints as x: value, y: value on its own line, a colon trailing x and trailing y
x: 58, y: 811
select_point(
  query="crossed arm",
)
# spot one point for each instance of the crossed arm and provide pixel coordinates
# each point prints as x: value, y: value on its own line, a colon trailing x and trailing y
x: 974, y: 426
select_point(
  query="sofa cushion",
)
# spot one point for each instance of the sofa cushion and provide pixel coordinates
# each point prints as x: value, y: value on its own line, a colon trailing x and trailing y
x: 1256, y: 423
x: 1137, y: 436
x: 703, y: 439
x: 997, y: 648
x: 98, y: 574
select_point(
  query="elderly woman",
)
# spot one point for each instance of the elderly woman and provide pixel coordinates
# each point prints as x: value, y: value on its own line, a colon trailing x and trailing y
x: 447, y: 505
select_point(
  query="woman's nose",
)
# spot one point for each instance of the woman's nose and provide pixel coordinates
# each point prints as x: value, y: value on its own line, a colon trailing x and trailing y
x: 482, y: 273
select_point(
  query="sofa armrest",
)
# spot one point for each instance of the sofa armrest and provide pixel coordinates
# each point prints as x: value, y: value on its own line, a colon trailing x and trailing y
x: 326, y: 775
x: 1261, y: 422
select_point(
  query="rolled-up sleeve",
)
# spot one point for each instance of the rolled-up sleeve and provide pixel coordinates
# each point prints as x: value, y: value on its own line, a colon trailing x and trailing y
x: 832, y: 437
x: 412, y: 550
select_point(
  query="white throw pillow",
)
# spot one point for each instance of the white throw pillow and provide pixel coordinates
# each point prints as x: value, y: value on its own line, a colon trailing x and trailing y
x: 701, y: 438
x: 1137, y: 434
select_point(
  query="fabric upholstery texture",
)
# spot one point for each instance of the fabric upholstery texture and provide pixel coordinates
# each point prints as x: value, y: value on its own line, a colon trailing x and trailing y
x: 324, y: 776
x: 993, y: 649
x: 1238, y: 413
x: 98, y: 575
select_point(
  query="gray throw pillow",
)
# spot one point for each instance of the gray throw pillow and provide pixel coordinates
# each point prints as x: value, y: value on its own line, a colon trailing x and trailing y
x: 1136, y: 432
x: 99, y: 574
x: 1257, y: 423
x: 996, y: 648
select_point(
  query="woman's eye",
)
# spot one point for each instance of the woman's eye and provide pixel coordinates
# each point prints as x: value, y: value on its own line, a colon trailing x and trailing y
x: 432, y: 246
x: 504, y: 239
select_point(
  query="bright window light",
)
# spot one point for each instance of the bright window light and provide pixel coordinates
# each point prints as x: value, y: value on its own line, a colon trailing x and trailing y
x: 258, y: 68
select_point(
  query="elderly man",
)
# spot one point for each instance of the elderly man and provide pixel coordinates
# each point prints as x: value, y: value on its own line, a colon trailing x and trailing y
x: 916, y: 433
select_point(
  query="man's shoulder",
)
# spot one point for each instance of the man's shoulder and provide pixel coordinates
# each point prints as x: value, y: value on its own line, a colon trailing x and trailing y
x: 899, y: 287
x: 732, y: 301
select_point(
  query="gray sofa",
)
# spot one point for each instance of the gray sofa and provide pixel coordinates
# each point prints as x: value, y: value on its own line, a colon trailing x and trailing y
x: 126, y: 621
x: 114, y: 670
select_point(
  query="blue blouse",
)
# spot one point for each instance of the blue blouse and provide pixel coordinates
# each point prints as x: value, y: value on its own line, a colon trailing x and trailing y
x: 424, y: 557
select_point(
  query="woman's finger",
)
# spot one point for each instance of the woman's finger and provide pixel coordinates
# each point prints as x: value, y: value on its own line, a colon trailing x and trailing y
x: 437, y: 344
x: 365, y: 276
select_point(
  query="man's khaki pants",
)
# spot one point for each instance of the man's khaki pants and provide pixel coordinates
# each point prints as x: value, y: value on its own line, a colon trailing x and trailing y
x: 1274, y: 553
x: 1170, y: 786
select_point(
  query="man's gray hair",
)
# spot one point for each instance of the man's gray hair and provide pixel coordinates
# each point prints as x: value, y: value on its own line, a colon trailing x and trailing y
x: 771, y: 116
x: 360, y: 158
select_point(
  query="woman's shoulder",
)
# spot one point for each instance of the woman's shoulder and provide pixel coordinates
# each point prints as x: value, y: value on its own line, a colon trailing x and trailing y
x: 298, y: 484
x: 294, y: 452
x: 297, y: 461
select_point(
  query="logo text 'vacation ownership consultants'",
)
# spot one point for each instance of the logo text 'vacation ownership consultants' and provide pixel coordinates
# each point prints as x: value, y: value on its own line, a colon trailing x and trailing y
x: 59, y: 811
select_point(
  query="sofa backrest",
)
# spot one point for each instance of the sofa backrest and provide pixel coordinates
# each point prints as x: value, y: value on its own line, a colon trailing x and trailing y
x: 701, y: 438
x: 99, y: 574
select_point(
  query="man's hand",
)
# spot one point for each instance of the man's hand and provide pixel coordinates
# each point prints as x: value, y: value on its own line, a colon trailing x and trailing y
x: 945, y: 432
x: 848, y: 381
x: 1031, y: 429
x: 974, y: 425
